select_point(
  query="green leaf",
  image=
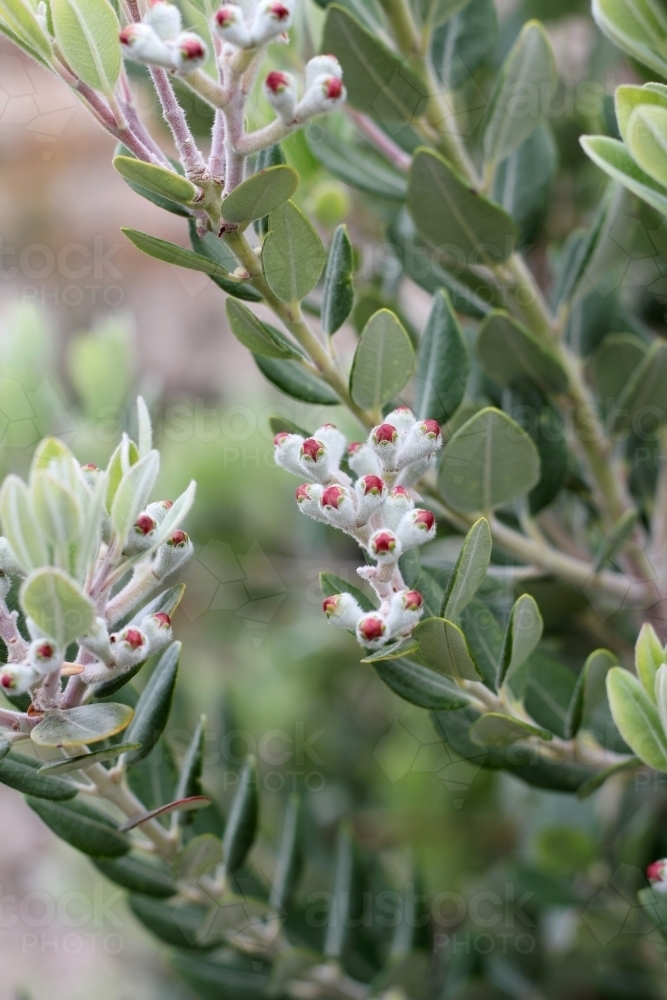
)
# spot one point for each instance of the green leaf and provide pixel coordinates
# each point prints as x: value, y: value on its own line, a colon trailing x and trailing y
x: 612, y: 365
x: 636, y: 717
x: 82, y: 725
x: 443, y: 365
x: 497, y: 730
x: 338, y: 294
x: 84, y: 760
x: 332, y: 585
x: 647, y: 142
x: 437, y: 12
x: 592, y: 785
x: 546, y: 429
x: 57, y: 605
x: 153, y: 708
x: 296, y: 381
x: 180, y: 924
x: 16, y: 773
x: 627, y: 98
x: 485, y: 637
x: 639, y: 27
x: 488, y: 462
x: 197, y: 857
x: 86, y: 829
x: 359, y: 166
x: 649, y: 656
x: 383, y: 361
x: 526, y: 80
x: 171, y: 253
x: 420, y: 685
x: 280, y: 424
x: 57, y: 510
x: 158, y: 180
x: 511, y: 354
x: 444, y: 647
x: 293, y: 255
x: 261, y: 194
x: 343, y: 898
x: 191, y: 804
x: 522, y: 182
x: 464, y: 43
x: 642, y: 406
x: 87, y: 32
x: 290, y: 858
x: 523, y: 633
x: 137, y: 874
x: 223, y: 980
x: 242, y: 823
x: 394, y: 651
x: 261, y: 338
x: 20, y: 18
x: 133, y: 493
x: 217, y: 252
x: 469, y: 572
x: 18, y: 523
x: 189, y: 778
x: 453, y: 218
x: 599, y: 660
x: 614, y: 158
x: 377, y: 81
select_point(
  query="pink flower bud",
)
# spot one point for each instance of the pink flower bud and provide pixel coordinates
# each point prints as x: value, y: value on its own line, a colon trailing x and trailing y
x: 281, y: 94
x: 190, y: 52
x: 311, y: 450
x: 324, y: 93
x: 396, y: 505
x: 144, y: 524
x: 316, y: 460
x: 372, y: 630
x: 308, y: 497
x: 157, y: 630
x: 158, y: 510
x: 405, y: 610
x: 342, y: 610
x: 322, y: 66
x: 413, y: 600
x: 416, y: 527
x: 384, y: 434
x: 402, y: 418
x: 229, y: 24
x: 18, y: 678
x: 179, y: 539
x: 287, y: 452
x: 332, y: 496
x: 130, y: 646
x: 338, y: 507
x: 421, y: 442
x: 164, y: 18
x: 384, y: 546
x: 334, y: 440
x: 140, y: 535
x: 272, y: 18
x: 371, y: 492
x: 172, y: 555
x: 44, y: 656
x: 656, y: 873
x: 142, y: 44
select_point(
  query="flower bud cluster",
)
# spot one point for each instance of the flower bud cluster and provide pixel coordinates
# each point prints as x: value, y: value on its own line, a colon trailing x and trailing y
x: 158, y: 40
x: 377, y: 509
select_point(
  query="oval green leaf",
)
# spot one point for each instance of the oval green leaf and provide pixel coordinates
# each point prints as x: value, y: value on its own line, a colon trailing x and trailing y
x: 260, y: 195
x: 87, y: 32
x: 382, y: 363
x: 637, y: 718
x: 510, y: 354
x: 293, y: 255
x: 82, y: 725
x: 154, y: 178
x: 57, y: 605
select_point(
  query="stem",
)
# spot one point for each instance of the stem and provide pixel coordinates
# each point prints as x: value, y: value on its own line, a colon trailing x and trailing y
x: 216, y: 163
x: 192, y: 160
x: 122, y: 797
x: 397, y: 156
x: 17, y: 647
x: 206, y: 87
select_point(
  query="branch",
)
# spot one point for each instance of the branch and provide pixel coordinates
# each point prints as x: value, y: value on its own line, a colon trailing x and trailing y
x: 191, y: 158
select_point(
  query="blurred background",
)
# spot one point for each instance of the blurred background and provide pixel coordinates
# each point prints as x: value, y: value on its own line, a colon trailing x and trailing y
x: 87, y: 322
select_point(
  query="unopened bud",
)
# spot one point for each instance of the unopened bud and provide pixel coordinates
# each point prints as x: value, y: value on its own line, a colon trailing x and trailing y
x: 342, y: 610
x: 416, y: 527
x: 324, y: 94
x: 44, y: 656
x: 18, y: 678
x: 157, y: 629
x: 338, y: 507
x: 98, y: 641
x: 164, y: 18
x: 140, y: 43
x: 321, y: 66
x: 158, y: 510
x: 372, y: 630
x: 422, y: 441
x: 334, y: 440
x: 656, y: 873
x: 190, y: 52
x: 396, y: 505
x: 362, y: 459
x: 316, y: 461
x: 402, y: 418
x: 287, y: 452
x: 308, y: 497
x: 130, y: 647
x: 281, y: 94
x: 385, y: 546
x: 371, y: 492
x: 405, y: 610
x: 272, y: 18
x: 172, y: 555
x: 229, y: 24
x: 140, y: 535
x: 8, y: 563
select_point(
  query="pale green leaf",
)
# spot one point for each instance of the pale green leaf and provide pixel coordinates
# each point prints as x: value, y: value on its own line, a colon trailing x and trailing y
x: 133, y: 493
x: 382, y: 363
x: 443, y: 647
x: 57, y: 605
x: 470, y: 570
x: 155, y: 178
x: 82, y: 725
x: 637, y: 718
x: 19, y: 526
x: 292, y: 254
x: 442, y: 364
x: 261, y: 194
x: 87, y: 32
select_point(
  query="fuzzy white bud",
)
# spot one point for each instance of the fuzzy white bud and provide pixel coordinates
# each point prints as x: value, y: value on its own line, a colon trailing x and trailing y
x: 190, y: 52
x: 281, y: 94
x: 172, y: 555
x: 164, y: 18
x: 272, y: 18
x: 325, y: 94
x: 338, y: 507
x: 362, y: 459
x: 342, y: 610
x: 321, y: 66
x: 44, y: 656
x: 141, y: 43
x: 229, y: 24
x: 397, y: 504
x: 18, y: 678
x: 130, y: 647
x: 287, y: 452
x: 308, y: 497
x: 416, y: 527
x: 97, y: 641
x: 385, y: 546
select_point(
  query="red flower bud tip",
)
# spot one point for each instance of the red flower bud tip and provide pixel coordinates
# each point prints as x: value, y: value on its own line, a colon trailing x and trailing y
x: 45, y: 651
x: 354, y: 447
x: 126, y: 34
x: 133, y: 638
x: 403, y: 409
x: 192, y: 48
x: 400, y: 491
x: 279, y: 11
x: 329, y: 605
x: 167, y: 504
x: 276, y: 83
x: 372, y: 627
x: 225, y: 16
x: 330, y: 427
x: 145, y: 524
x: 90, y: 467
x: 302, y: 493
x: 280, y: 437
x: 655, y: 871
x: 384, y: 541
x: 7, y: 681
x: 333, y: 88
x: 431, y: 428
x: 372, y: 484
x: 385, y: 432
x: 178, y: 538
x: 413, y: 600
x: 163, y: 620
x: 312, y: 449
x: 425, y: 519
x: 332, y: 496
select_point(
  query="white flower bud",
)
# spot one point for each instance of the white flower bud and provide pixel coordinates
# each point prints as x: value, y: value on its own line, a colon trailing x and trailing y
x: 335, y: 441
x: 44, y: 656
x: 384, y: 441
x: 396, y: 505
x: 422, y: 441
x: 385, y: 546
x: 272, y: 18
x: 405, y: 610
x: 157, y: 629
x: 342, y: 610
x: 325, y: 94
x: 190, y: 52
x: 362, y: 459
x: 173, y: 555
x: 97, y: 641
x: 130, y: 647
x: 287, y: 452
x: 412, y: 473
x: 338, y: 507
x: 371, y: 492
x: 281, y: 94
x: 140, y: 43
x: 656, y: 873
x: 372, y: 630
x: 316, y: 461
x: 308, y: 497
x: 159, y: 510
x: 402, y: 418
x: 164, y: 18
x: 18, y: 678
x: 141, y: 534
x: 415, y: 528
x: 229, y: 24
x: 322, y: 66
